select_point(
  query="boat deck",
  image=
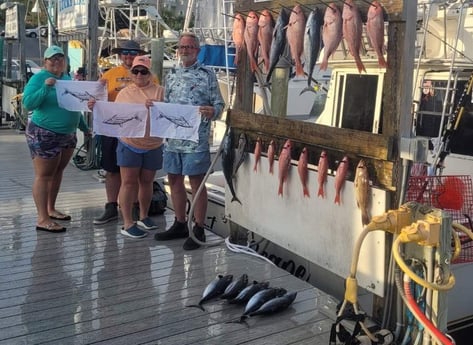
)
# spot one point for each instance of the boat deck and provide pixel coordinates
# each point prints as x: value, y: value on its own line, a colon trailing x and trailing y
x: 90, y: 285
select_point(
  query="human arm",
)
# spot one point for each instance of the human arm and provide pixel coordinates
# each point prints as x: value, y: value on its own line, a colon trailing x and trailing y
x: 36, y: 90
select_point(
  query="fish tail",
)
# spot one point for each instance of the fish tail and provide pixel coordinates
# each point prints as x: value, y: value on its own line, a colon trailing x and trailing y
x: 255, y: 168
x: 337, y: 198
x: 365, y: 218
x: 299, y: 69
x: 280, y: 190
x: 271, y: 170
x: 306, y: 192
x: 359, y: 64
x: 309, y: 88
x: 321, y: 191
x: 382, y: 62
x: 196, y: 306
x: 323, y: 65
x: 253, y: 65
x: 235, y: 198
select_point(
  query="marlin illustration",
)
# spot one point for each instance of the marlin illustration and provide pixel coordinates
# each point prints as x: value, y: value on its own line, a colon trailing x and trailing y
x: 81, y: 96
x: 120, y: 120
x: 177, y: 121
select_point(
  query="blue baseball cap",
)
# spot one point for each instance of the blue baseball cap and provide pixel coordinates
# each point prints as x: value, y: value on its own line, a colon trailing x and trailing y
x: 53, y: 50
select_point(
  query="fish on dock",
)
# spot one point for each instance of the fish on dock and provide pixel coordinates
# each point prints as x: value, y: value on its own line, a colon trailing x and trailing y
x: 278, y: 42
x: 214, y: 289
x: 322, y: 171
x: 353, y: 31
x: 362, y: 186
x: 260, y: 298
x: 275, y: 305
x: 303, y: 171
x: 251, y: 39
x: 284, y: 164
x: 375, y: 31
x: 235, y: 287
x: 265, y: 36
x: 312, y: 44
x: 238, y: 36
x: 332, y: 33
x: 244, y: 296
x: 295, y: 38
x: 228, y: 160
x: 340, y: 177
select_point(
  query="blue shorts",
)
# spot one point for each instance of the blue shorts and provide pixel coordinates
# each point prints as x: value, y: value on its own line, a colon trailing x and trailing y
x: 108, y: 160
x: 47, y: 144
x: 150, y: 160
x: 187, y: 164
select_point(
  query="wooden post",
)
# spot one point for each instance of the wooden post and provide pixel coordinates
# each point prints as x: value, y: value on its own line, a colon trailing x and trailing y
x: 157, y: 56
x: 279, y: 90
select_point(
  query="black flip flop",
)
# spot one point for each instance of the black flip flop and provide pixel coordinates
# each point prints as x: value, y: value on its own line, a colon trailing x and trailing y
x: 50, y: 228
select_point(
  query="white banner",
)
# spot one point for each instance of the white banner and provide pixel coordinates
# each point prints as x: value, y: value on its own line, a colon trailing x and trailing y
x: 127, y: 120
x: 175, y: 121
x: 74, y: 95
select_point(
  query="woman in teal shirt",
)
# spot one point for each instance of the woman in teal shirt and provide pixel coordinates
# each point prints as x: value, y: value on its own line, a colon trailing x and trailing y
x: 51, y: 137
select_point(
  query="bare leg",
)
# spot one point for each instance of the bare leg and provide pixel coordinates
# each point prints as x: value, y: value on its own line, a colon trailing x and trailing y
x: 44, y: 169
x: 128, y: 193
x: 145, y: 191
x: 178, y: 196
x: 112, y: 186
x: 200, y: 204
x: 55, y: 183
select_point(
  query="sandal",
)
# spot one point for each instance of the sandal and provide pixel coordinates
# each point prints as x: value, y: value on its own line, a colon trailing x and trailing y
x: 51, y: 227
x: 59, y: 216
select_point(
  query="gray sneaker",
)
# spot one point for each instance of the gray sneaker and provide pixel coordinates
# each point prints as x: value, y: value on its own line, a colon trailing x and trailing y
x: 110, y: 213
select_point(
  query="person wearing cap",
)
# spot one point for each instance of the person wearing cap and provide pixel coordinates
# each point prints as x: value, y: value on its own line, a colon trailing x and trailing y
x: 51, y: 137
x: 138, y: 158
x: 116, y: 78
x: 197, y: 85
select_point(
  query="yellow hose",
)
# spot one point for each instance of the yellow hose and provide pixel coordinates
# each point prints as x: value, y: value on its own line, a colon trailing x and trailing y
x: 458, y: 245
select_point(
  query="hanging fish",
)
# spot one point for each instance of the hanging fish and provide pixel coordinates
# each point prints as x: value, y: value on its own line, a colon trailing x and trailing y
x: 278, y: 43
x: 303, y: 171
x: 375, y: 31
x: 352, y: 31
x: 340, y: 177
x: 332, y: 33
x: 322, y: 171
x: 271, y: 153
x: 257, y: 153
x: 235, y: 287
x: 295, y: 38
x: 214, y: 289
x: 251, y: 39
x: 265, y: 36
x: 362, y: 186
x: 237, y: 36
x: 248, y: 292
x: 284, y: 164
x: 312, y: 43
x: 228, y: 160
x: 240, y: 153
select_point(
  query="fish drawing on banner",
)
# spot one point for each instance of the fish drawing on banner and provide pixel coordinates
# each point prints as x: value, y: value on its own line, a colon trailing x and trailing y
x: 127, y: 120
x: 73, y: 95
x: 175, y: 121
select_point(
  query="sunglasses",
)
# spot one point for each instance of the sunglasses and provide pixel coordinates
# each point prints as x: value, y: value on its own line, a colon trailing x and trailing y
x: 141, y: 71
x: 129, y: 52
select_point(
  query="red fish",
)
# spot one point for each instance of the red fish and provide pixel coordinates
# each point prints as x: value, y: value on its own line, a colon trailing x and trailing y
x: 303, y: 171
x: 238, y: 36
x: 257, y: 153
x: 251, y: 39
x: 322, y: 171
x: 284, y: 164
x: 362, y: 186
x: 332, y: 33
x: 340, y: 178
x: 265, y: 36
x: 352, y: 31
x: 295, y: 38
x: 271, y: 152
x: 375, y: 31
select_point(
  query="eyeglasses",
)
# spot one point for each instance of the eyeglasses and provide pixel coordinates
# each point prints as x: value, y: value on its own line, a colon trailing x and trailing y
x: 129, y: 52
x: 141, y: 71
x: 186, y: 47
x: 57, y: 57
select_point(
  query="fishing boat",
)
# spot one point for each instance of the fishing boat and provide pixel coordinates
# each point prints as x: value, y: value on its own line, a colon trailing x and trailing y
x: 410, y: 121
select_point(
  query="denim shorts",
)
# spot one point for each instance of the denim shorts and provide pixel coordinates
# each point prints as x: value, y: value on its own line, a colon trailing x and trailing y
x: 108, y: 160
x: 47, y: 144
x: 150, y: 160
x: 187, y: 164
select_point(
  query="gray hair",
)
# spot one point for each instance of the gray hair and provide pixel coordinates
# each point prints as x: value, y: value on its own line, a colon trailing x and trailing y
x: 191, y: 35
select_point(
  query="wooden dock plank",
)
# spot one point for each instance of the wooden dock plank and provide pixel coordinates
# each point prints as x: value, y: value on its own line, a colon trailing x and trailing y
x: 92, y: 285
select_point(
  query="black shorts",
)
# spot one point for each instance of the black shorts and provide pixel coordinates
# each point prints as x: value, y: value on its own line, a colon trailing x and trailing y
x: 108, y: 161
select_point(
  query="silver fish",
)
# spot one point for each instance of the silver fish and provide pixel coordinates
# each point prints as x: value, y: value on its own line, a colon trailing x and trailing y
x: 275, y: 305
x: 120, y: 120
x: 240, y: 153
x: 248, y: 292
x: 312, y: 43
x: 214, y: 289
x: 228, y: 160
x: 259, y: 299
x: 235, y: 287
x: 278, y: 43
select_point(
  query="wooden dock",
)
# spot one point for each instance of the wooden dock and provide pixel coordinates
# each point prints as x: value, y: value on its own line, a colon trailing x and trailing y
x: 91, y: 285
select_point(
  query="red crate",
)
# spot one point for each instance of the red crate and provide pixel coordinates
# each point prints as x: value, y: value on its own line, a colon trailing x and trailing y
x: 451, y: 193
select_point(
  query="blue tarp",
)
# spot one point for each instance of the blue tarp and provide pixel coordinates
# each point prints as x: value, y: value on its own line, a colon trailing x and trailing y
x: 214, y: 55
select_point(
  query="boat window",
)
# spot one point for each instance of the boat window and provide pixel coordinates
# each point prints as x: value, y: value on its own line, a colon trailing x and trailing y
x: 359, y: 102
